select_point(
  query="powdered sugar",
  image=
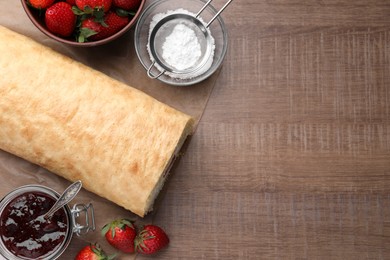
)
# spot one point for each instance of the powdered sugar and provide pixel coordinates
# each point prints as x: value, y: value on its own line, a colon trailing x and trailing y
x: 181, y: 48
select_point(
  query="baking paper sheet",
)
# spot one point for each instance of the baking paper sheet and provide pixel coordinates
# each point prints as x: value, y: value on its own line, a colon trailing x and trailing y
x: 118, y: 60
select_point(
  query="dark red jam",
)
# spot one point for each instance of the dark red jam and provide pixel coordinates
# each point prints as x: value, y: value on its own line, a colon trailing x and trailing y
x: 24, y: 231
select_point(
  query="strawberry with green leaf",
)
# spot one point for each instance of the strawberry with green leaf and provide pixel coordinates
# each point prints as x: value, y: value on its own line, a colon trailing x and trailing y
x: 93, y: 252
x: 92, y: 8
x: 120, y: 234
x: 91, y: 30
x: 94, y: 5
x: 151, y: 240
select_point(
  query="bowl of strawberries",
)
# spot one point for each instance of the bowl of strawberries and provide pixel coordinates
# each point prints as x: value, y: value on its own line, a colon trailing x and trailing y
x: 83, y: 23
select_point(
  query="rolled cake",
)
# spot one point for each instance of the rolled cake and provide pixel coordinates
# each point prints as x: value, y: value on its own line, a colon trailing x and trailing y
x: 83, y: 125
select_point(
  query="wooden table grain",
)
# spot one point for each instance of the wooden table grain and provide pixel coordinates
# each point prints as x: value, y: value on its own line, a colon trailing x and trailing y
x: 291, y: 158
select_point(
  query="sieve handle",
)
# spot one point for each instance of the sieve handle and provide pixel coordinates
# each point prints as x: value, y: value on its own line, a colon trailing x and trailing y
x: 150, y: 72
x: 204, y: 7
x: 216, y: 15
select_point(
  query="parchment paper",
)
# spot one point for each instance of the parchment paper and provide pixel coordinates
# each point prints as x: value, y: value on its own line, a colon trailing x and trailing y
x: 118, y: 60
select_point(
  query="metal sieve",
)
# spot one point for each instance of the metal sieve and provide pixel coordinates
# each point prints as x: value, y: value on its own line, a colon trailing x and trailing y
x: 164, y: 28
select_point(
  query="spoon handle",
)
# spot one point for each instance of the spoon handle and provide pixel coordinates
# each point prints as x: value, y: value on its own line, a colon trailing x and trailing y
x: 65, y: 198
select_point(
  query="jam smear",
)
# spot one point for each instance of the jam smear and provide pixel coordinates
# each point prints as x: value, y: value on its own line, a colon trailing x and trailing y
x: 24, y: 231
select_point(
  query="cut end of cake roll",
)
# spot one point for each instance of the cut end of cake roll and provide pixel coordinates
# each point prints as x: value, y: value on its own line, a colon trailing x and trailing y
x: 176, y: 155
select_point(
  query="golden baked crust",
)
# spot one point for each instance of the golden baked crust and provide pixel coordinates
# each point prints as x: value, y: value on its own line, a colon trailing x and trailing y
x: 84, y: 125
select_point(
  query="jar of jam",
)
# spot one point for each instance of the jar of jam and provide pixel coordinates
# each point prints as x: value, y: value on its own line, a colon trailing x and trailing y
x: 25, y: 234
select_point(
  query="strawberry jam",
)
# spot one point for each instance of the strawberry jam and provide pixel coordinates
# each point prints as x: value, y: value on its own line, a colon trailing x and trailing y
x: 24, y: 231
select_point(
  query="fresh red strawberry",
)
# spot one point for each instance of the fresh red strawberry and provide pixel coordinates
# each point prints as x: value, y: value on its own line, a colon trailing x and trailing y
x: 41, y: 4
x: 104, y: 5
x: 71, y: 2
x: 92, y: 252
x: 60, y: 19
x: 88, y: 30
x: 128, y: 5
x: 114, y: 23
x: 151, y: 239
x: 92, y: 30
x: 120, y: 234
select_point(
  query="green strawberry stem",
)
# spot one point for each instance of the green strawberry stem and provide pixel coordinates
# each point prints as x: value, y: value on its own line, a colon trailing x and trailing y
x: 97, y: 13
x: 124, y: 13
x: 84, y: 33
x: 121, y: 223
x: 99, y: 252
x: 139, y: 241
x: 77, y: 11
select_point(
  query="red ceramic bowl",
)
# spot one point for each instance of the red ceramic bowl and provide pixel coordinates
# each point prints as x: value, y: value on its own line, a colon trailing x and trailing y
x: 38, y: 21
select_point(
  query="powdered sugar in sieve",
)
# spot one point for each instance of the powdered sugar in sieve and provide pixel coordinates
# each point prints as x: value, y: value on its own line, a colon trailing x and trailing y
x: 177, y: 48
x: 180, y: 43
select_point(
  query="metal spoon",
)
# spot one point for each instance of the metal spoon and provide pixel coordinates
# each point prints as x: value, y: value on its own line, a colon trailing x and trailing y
x: 64, y: 199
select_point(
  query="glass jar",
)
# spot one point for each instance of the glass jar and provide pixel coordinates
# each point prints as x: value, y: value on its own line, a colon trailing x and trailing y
x: 25, y: 234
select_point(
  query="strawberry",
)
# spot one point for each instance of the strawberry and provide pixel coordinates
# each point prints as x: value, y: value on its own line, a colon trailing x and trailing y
x: 92, y: 252
x: 150, y: 240
x: 84, y: 5
x: 88, y: 28
x: 71, y: 2
x: 41, y: 4
x: 127, y: 4
x: 92, y: 30
x: 120, y: 234
x: 60, y: 19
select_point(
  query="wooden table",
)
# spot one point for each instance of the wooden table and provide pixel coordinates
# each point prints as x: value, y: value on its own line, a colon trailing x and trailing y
x: 291, y: 159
